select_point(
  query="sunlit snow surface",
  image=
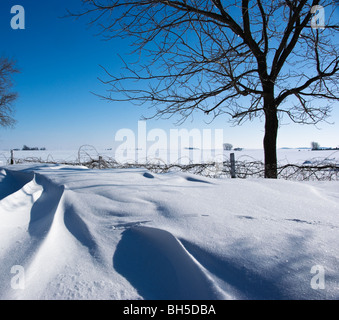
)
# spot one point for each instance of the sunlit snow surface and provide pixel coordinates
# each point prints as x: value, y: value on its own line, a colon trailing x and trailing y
x: 132, y: 234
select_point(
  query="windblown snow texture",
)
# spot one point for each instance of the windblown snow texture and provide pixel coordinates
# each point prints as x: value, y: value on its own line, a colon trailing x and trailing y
x: 132, y: 234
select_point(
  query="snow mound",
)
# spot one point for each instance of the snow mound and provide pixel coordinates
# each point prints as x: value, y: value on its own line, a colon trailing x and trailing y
x: 157, y: 264
x: 132, y: 234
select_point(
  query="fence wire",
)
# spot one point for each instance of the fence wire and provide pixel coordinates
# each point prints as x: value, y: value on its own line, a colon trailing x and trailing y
x: 244, y: 169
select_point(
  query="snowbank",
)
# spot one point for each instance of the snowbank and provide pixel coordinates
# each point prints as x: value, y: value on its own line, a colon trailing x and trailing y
x: 75, y: 233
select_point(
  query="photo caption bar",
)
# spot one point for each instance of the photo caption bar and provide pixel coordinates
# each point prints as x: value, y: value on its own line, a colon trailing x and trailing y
x: 156, y: 309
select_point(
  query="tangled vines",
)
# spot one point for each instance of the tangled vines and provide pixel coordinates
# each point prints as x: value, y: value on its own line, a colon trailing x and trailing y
x: 244, y: 168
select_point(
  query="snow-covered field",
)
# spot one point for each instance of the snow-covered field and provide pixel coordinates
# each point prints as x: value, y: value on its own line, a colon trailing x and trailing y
x: 75, y: 233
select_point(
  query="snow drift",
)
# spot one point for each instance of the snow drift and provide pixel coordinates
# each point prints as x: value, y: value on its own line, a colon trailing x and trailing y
x: 131, y: 234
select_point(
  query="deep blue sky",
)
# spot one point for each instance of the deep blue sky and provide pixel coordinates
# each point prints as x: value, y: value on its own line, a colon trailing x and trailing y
x: 59, y: 62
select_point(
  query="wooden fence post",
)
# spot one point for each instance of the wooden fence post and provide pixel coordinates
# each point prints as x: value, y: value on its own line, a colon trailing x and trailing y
x: 12, y: 157
x: 100, y: 161
x: 232, y: 159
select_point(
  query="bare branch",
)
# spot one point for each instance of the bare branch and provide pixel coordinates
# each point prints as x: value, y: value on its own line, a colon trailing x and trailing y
x: 242, y: 58
x: 7, y: 97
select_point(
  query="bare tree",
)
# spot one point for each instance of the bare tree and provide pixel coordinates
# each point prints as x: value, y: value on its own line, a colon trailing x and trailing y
x: 227, y: 146
x: 315, y: 145
x: 7, y: 97
x: 246, y: 59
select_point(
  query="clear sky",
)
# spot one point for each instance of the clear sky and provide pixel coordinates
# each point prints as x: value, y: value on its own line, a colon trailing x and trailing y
x: 59, y: 60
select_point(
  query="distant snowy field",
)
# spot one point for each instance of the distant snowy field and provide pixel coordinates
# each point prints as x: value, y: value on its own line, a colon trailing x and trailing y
x: 285, y: 156
x: 74, y: 233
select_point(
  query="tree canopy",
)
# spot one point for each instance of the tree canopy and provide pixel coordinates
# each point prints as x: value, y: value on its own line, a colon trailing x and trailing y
x: 241, y: 58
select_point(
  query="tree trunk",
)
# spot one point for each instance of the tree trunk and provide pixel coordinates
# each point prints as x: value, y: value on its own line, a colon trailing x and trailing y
x: 270, y: 142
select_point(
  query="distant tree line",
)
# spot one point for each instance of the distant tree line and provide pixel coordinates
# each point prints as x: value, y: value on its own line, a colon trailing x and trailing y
x: 26, y: 148
x: 316, y: 146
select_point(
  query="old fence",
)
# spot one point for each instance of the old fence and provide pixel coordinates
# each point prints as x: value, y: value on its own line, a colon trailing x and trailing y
x: 229, y: 168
